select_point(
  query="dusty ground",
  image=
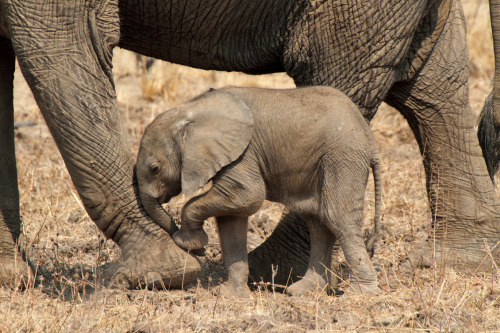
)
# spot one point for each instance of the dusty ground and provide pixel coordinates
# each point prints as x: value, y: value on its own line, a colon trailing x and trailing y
x: 65, y: 247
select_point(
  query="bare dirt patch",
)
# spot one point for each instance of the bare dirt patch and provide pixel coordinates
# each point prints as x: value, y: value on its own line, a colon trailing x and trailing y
x: 66, y: 248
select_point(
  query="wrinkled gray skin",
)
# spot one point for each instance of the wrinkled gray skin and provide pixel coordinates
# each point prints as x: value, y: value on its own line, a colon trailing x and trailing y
x: 411, y: 54
x: 256, y: 144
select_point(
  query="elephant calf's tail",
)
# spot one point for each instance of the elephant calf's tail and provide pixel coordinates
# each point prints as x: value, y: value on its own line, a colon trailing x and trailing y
x: 375, y: 165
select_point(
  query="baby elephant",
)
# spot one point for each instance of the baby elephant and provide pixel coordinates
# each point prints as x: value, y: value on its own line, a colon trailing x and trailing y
x: 308, y: 148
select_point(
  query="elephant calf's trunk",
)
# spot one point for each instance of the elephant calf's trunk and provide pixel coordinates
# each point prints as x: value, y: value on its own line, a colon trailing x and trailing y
x: 159, y: 215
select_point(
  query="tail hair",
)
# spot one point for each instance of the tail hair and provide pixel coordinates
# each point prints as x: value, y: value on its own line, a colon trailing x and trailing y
x: 488, y: 135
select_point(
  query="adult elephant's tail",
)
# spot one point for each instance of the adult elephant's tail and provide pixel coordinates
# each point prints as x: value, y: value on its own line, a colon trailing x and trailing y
x: 489, y: 120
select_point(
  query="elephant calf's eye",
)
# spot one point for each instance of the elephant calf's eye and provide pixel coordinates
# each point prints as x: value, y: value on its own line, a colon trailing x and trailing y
x: 155, y: 169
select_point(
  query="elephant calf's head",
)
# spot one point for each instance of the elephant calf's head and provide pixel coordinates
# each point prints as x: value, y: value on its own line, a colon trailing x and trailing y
x: 158, y: 163
x: 182, y: 149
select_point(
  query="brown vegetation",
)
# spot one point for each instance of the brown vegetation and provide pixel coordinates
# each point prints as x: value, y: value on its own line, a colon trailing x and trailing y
x: 66, y: 248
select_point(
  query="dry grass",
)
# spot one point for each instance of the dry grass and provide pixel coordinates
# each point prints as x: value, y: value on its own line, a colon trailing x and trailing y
x: 66, y: 247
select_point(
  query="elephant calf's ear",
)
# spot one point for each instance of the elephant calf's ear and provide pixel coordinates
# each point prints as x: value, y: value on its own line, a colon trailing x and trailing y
x: 219, y: 131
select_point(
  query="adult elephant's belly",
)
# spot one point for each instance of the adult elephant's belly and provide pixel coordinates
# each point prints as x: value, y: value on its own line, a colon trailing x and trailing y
x: 213, y: 35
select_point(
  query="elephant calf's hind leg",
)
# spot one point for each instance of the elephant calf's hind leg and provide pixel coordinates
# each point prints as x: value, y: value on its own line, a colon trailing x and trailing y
x: 363, y: 276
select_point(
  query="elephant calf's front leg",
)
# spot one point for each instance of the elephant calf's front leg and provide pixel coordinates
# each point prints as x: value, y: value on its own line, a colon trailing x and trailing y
x: 233, y: 241
x: 191, y: 235
x: 244, y: 200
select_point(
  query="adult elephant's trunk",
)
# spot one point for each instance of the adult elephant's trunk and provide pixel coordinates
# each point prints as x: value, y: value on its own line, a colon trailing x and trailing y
x: 489, y: 120
x: 67, y: 65
x: 159, y: 215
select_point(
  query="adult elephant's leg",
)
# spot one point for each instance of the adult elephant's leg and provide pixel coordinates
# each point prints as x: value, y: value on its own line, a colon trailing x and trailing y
x: 489, y: 121
x: 285, y: 254
x: 66, y: 60
x: 11, y: 270
x: 435, y: 101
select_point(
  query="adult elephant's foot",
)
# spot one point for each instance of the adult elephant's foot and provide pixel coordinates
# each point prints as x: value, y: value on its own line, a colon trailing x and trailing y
x: 284, y: 256
x: 470, y: 244
x: 474, y: 254
x: 155, y: 263
x: 229, y: 289
x: 14, y: 272
x: 366, y: 289
x: 312, y: 282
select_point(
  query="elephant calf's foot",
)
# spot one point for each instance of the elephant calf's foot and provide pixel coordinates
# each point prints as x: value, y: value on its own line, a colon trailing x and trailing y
x: 311, y: 283
x: 230, y: 289
x: 15, y: 273
x: 191, y: 240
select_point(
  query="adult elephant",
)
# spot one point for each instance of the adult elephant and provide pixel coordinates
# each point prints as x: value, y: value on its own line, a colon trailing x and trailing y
x: 411, y: 54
